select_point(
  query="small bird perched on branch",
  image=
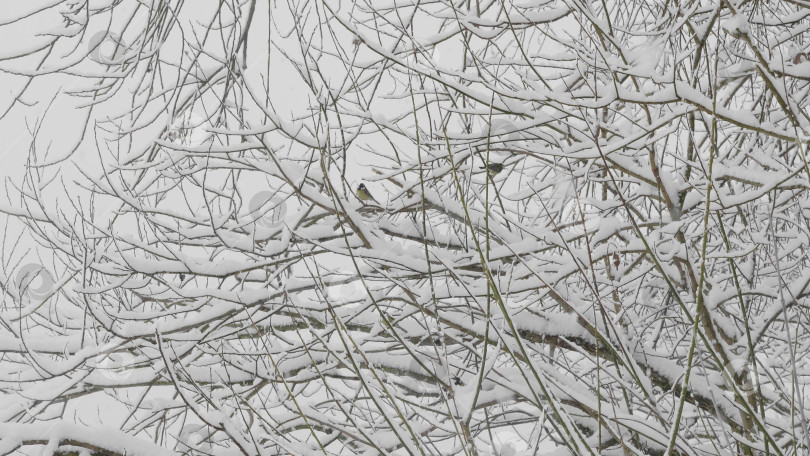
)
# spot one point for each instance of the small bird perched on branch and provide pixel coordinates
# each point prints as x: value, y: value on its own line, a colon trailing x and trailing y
x: 364, y: 195
x: 493, y: 168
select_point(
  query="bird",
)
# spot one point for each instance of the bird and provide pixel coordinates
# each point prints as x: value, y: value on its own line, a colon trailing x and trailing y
x: 493, y: 168
x: 364, y: 194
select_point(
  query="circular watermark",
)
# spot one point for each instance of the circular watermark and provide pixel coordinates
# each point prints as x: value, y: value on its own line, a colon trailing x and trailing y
x: 107, y: 47
x: 115, y: 366
x: 202, y: 263
x: 744, y: 374
x: 563, y: 192
x: 192, y: 435
x: 436, y: 56
x: 503, y: 130
x: 188, y: 129
x: 384, y: 259
x: 419, y: 375
x: 429, y: 375
x: 207, y: 266
x: 34, y: 282
x: 507, y: 442
x: 666, y: 249
x: 341, y: 292
x: 268, y: 209
x: 427, y: 53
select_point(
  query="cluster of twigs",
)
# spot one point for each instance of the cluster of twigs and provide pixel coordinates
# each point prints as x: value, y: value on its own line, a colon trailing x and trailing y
x: 631, y: 282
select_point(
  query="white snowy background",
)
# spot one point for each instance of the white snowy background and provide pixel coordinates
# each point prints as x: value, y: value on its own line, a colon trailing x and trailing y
x: 186, y: 268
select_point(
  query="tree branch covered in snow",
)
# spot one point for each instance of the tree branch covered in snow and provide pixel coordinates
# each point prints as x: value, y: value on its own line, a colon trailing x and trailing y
x: 206, y: 281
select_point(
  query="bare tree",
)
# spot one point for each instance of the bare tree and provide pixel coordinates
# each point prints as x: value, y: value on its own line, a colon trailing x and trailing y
x: 587, y: 233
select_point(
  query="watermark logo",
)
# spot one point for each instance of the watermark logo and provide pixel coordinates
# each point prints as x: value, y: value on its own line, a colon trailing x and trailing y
x: 192, y: 435
x: 34, y: 283
x: 506, y: 442
x: 503, y: 130
x: 436, y: 56
x: 418, y: 373
x: 339, y: 291
x: 666, y: 249
x: 563, y: 191
x: 116, y: 367
x: 428, y: 54
x: 189, y: 129
x: 268, y: 209
x: 107, y: 48
x: 744, y: 374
